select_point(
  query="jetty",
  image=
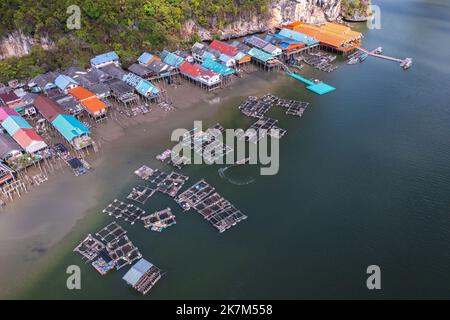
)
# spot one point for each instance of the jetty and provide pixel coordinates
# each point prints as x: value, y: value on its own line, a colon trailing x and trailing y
x: 404, y: 63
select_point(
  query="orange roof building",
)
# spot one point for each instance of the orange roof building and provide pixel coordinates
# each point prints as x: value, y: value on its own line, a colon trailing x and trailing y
x: 94, y: 106
x: 336, y: 36
x: 81, y: 93
x: 89, y: 101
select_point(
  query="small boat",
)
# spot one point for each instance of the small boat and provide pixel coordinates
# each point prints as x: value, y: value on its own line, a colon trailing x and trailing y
x: 353, y: 61
x: 378, y: 50
x: 363, y: 57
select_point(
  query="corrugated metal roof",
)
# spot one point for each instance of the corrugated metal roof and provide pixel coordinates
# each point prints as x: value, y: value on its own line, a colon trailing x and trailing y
x: 173, y: 60
x: 81, y: 93
x: 8, y: 97
x: 48, y: 108
x: 146, y: 88
x: 140, y: 70
x: 63, y: 81
x: 224, y: 48
x: 5, y: 112
x: 104, y: 58
x: 29, y: 140
x: 8, y: 145
x: 145, y: 58
x: 225, y: 58
x: 137, y: 271
x: 260, y: 55
x: 69, y: 127
x: 256, y: 42
x: 14, y: 123
x: 217, y: 67
x: 298, y: 36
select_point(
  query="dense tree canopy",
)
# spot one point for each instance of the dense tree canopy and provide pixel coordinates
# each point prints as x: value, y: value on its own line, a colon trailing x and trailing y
x: 127, y: 26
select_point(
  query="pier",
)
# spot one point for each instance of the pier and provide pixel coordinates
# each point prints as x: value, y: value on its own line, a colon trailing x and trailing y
x: 404, y: 63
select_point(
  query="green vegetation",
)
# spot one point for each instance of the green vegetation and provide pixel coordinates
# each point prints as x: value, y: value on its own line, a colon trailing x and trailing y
x: 350, y: 7
x: 127, y: 26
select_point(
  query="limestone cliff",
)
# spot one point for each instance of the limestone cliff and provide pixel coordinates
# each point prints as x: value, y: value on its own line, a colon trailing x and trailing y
x: 17, y: 44
x: 280, y: 11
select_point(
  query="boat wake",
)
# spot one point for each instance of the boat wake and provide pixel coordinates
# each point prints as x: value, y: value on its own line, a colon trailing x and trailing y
x: 222, y: 174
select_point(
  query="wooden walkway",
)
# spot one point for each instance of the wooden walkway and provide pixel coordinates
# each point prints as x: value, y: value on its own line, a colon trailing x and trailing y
x: 373, y: 54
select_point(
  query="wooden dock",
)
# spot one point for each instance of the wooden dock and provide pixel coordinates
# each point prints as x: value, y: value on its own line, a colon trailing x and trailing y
x: 373, y: 54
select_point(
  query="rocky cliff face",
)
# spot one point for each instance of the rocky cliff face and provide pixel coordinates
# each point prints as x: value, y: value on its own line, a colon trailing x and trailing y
x: 17, y: 44
x: 281, y: 11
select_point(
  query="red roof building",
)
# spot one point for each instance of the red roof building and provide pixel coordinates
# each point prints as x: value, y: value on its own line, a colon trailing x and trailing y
x: 10, y: 99
x: 224, y: 48
x: 48, y: 108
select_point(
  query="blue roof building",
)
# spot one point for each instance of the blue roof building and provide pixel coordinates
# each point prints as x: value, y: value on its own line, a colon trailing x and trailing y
x: 104, y: 59
x: 172, y: 59
x: 145, y: 58
x: 12, y: 124
x: 227, y: 60
x: 146, y: 88
x: 69, y: 127
x: 64, y: 82
x: 217, y: 67
x: 260, y: 55
x: 298, y: 36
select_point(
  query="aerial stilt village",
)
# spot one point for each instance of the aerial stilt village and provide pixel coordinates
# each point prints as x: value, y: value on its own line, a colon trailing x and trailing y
x: 49, y: 123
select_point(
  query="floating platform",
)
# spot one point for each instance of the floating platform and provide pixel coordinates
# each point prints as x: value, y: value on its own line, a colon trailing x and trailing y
x: 143, y: 276
x: 141, y: 194
x: 159, y: 220
x: 211, y: 205
x: 144, y: 172
x: 172, y: 184
x: 319, y: 88
x: 207, y: 143
x: 108, y: 249
x: 128, y: 212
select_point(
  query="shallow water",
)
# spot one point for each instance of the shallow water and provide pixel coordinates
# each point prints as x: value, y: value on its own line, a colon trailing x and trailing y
x: 364, y: 179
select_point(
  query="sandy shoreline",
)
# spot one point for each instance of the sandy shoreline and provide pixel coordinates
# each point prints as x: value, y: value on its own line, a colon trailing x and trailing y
x: 34, y: 225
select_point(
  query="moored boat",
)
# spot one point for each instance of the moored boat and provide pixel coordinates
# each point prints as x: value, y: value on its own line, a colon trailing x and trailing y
x: 363, y: 57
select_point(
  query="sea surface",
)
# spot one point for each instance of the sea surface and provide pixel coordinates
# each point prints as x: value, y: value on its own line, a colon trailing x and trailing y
x: 364, y: 180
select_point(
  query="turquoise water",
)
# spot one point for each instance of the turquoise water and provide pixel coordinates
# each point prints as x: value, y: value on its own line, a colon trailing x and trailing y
x: 364, y: 179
